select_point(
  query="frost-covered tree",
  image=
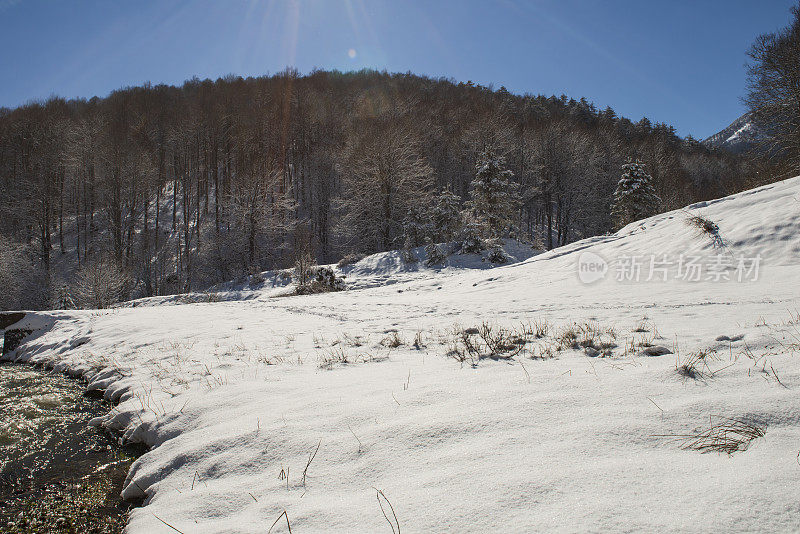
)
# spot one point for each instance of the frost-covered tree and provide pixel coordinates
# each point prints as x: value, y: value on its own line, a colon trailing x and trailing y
x: 383, y: 174
x: 445, y: 216
x: 634, y: 197
x: 773, y: 85
x: 493, y: 198
x: 196, y: 184
x: 99, y: 284
x: 417, y: 227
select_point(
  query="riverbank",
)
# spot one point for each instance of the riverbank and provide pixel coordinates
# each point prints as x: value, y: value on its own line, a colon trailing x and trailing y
x: 57, y: 474
x: 578, y: 390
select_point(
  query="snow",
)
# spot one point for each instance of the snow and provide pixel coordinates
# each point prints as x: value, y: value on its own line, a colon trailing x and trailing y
x: 745, y: 133
x: 229, y: 395
x: 380, y: 269
x: 739, y: 136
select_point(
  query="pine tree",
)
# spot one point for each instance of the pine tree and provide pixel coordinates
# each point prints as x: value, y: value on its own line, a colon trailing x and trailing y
x: 493, y: 199
x: 417, y: 227
x: 634, y: 197
x: 445, y: 216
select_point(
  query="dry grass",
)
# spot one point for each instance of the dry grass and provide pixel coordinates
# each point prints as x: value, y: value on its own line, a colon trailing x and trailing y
x: 487, y: 341
x: 724, y: 435
x: 419, y: 340
x: 695, y: 366
x: 591, y: 337
x: 339, y: 356
x: 532, y: 338
x: 394, y: 523
x: 707, y: 228
x: 393, y: 340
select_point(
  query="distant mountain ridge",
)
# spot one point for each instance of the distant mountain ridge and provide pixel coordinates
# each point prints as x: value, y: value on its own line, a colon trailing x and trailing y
x: 740, y: 136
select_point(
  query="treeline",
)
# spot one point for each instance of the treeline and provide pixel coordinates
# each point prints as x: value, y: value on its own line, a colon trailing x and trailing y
x: 182, y: 187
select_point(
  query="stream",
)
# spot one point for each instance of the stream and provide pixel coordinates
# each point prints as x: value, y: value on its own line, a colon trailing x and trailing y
x: 57, y: 474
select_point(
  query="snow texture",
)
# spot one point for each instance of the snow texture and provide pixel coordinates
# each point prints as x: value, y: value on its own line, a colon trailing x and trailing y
x: 235, y: 397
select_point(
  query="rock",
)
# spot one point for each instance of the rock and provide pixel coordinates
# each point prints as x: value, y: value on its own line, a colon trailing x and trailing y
x: 13, y: 338
x: 9, y: 318
x: 655, y: 350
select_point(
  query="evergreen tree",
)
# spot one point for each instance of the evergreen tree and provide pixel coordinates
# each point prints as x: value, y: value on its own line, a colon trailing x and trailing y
x: 445, y: 216
x: 634, y: 197
x: 493, y: 198
x: 416, y: 227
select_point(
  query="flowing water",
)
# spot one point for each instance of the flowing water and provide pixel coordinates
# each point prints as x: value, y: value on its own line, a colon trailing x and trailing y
x: 57, y: 474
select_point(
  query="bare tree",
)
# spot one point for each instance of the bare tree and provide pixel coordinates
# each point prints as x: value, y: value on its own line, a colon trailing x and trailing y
x: 101, y: 283
x: 773, y: 85
x: 383, y: 175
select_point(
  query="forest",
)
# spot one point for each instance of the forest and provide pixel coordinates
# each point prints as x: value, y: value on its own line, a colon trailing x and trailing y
x: 173, y: 189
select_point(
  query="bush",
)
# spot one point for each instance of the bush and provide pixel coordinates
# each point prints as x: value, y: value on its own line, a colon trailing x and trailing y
x: 435, y: 255
x: 100, y: 284
x: 61, y: 298
x: 350, y: 259
x: 472, y: 239
x: 303, y: 266
x: 322, y: 280
x: 498, y: 256
x: 708, y: 228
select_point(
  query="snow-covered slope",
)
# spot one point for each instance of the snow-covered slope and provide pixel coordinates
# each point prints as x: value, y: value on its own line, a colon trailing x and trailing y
x: 381, y: 269
x: 344, y: 409
x: 740, y: 136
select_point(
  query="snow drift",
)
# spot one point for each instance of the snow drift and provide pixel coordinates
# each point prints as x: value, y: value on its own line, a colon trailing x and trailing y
x: 348, y: 411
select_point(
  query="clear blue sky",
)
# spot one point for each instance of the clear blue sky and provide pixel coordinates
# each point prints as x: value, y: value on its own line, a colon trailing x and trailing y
x: 677, y: 61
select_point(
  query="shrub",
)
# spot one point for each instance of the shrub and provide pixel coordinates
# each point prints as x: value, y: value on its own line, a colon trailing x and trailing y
x: 708, y: 228
x: 472, y: 241
x: 101, y: 284
x: 303, y: 267
x: 321, y: 280
x: 435, y: 255
x: 497, y: 256
x: 350, y: 259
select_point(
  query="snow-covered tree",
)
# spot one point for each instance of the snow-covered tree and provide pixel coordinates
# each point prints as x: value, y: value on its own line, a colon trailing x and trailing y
x: 383, y: 174
x: 493, y: 198
x: 445, y: 216
x: 101, y: 283
x: 23, y: 281
x: 417, y: 227
x: 634, y: 197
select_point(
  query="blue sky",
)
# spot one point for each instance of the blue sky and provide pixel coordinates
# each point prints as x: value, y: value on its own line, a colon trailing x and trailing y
x: 680, y: 62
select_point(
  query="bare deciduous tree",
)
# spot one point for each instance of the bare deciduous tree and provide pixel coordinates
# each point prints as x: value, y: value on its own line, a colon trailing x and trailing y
x: 774, y: 89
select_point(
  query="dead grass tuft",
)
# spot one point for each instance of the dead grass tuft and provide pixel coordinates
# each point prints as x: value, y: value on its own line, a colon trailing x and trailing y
x: 725, y: 435
x: 707, y: 228
x: 695, y: 366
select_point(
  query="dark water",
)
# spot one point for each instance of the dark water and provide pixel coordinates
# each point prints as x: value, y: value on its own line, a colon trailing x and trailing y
x: 56, y: 473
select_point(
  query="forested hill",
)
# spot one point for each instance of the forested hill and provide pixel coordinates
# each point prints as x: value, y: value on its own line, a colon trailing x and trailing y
x: 182, y: 187
x: 740, y: 136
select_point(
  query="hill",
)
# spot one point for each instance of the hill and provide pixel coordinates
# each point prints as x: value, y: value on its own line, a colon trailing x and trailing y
x: 175, y: 189
x: 741, y: 136
x: 538, y: 394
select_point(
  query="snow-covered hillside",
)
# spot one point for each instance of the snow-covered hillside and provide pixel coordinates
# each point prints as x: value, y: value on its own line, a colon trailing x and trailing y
x: 381, y: 269
x: 379, y: 409
x: 740, y: 136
